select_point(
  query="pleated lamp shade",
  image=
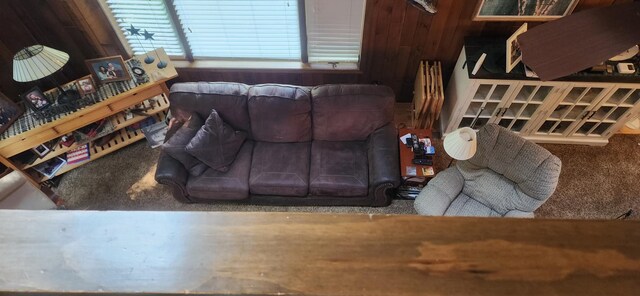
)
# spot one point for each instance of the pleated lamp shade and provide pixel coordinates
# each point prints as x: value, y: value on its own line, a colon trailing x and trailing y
x: 37, y: 61
x: 461, y: 144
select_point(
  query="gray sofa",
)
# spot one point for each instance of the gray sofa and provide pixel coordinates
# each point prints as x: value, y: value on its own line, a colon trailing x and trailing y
x: 507, y: 177
x: 326, y: 145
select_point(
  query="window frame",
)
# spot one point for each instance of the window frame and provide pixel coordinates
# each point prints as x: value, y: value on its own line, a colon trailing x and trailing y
x: 188, y: 61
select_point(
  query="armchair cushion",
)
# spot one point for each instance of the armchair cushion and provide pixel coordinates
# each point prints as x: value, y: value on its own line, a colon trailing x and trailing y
x: 216, y: 143
x: 230, y: 185
x: 175, y: 146
x: 464, y: 205
x: 338, y: 169
x: 280, y: 169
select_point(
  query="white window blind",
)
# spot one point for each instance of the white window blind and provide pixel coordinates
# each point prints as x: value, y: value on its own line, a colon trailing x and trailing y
x: 151, y: 15
x: 334, y: 30
x: 242, y: 29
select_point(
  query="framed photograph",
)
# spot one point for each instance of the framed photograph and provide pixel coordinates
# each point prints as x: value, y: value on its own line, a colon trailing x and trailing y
x: 36, y: 99
x: 9, y: 112
x: 513, y: 54
x: 41, y: 150
x: 108, y: 69
x: 85, y: 85
x: 50, y: 167
x: 523, y: 10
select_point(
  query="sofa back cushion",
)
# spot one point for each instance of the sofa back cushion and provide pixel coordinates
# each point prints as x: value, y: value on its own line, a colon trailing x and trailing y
x: 229, y: 99
x: 280, y: 113
x: 345, y: 112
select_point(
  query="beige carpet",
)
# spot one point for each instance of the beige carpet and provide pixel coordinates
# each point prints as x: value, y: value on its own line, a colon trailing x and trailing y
x: 596, y: 183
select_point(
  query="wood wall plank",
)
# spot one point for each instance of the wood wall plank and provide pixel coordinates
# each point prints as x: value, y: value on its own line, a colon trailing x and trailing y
x: 396, y: 37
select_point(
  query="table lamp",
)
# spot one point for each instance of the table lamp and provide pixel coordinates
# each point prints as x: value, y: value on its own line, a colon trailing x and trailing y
x: 38, y: 61
x: 461, y: 144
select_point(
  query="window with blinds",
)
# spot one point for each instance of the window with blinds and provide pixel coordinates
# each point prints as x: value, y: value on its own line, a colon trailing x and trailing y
x: 257, y: 29
x: 150, y: 15
x: 246, y: 29
x: 334, y: 30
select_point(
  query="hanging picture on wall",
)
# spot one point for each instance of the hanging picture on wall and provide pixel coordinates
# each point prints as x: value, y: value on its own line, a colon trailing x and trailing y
x: 9, y: 112
x: 109, y: 69
x: 523, y: 10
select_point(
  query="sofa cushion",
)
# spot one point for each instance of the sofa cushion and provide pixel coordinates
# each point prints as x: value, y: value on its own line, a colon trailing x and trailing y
x: 216, y: 143
x: 280, y: 113
x: 230, y: 185
x: 228, y: 98
x: 339, y: 169
x: 280, y: 169
x: 175, y: 146
x: 350, y: 112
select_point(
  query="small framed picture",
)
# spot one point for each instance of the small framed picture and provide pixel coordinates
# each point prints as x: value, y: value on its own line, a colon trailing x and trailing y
x: 108, y: 69
x: 9, y: 112
x: 36, y: 99
x: 50, y: 167
x: 513, y: 54
x: 41, y: 150
x: 520, y: 10
x: 85, y: 85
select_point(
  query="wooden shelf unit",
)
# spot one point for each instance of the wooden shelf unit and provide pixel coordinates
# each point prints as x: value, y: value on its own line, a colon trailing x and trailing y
x: 110, y: 107
x: 118, y: 121
x: 122, y: 139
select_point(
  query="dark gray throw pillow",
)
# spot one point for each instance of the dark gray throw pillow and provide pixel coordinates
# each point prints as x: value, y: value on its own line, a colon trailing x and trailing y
x: 216, y: 143
x: 175, y: 146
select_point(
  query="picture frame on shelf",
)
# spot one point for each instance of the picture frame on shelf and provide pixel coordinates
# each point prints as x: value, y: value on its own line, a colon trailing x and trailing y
x: 41, y: 150
x: 513, y: 54
x: 9, y: 112
x: 35, y: 99
x: 108, y: 69
x: 523, y: 10
x: 50, y: 167
x: 85, y: 85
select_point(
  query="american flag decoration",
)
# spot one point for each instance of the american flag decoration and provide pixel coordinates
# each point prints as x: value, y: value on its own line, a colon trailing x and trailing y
x: 78, y: 154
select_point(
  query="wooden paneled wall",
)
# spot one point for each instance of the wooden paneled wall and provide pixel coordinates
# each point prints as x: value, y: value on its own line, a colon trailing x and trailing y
x: 396, y: 37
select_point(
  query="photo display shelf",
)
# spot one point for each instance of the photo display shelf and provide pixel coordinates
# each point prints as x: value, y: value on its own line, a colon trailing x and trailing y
x: 156, y: 107
x: 32, y: 119
x: 123, y: 138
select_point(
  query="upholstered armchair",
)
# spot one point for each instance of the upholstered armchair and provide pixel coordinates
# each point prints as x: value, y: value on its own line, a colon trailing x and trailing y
x: 507, y: 177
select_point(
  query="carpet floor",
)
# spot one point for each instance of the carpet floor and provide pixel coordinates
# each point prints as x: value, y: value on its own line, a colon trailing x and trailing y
x: 595, y: 183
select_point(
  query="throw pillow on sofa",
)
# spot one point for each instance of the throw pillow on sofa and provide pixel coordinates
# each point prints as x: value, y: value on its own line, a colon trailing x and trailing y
x: 175, y: 146
x: 216, y: 143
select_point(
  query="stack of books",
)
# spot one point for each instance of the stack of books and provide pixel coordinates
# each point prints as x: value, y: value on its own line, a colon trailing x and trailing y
x: 411, y: 187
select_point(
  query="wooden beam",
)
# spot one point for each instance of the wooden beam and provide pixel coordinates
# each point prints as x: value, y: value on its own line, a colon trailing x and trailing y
x: 172, y: 253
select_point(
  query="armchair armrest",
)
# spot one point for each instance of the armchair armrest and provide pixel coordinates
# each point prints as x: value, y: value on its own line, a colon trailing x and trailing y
x: 171, y: 172
x: 518, y: 214
x: 384, y: 166
x: 436, y: 197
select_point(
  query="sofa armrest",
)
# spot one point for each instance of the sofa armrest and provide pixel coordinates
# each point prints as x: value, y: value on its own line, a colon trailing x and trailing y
x: 171, y: 172
x: 436, y: 197
x: 384, y: 166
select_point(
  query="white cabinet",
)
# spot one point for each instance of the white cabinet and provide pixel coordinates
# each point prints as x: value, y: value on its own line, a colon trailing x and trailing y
x: 542, y: 111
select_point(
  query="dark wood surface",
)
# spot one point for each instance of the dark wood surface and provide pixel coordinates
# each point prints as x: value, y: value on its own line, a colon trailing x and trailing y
x: 396, y: 37
x: 495, y: 49
x: 313, y: 254
x: 406, y: 154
